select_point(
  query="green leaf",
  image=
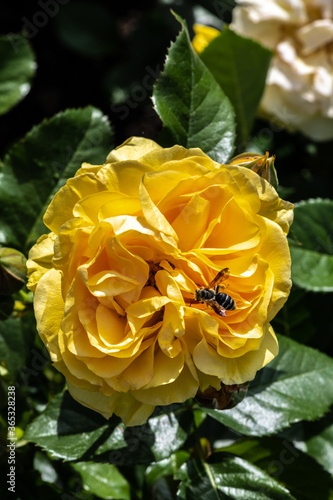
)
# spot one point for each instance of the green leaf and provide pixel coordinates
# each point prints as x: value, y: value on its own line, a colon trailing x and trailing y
x: 166, y: 467
x: 281, y: 460
x: 104, y: 480
x: 170, y: 432
x: 228, y: 477
x: 296, y: 385
x: 299, y: 321
x: 192, y: 106
x: 16, y: 341
x: 16, y: 70
x: 36, y: 167
x: 314, y: 438
x: 320, y: 446
x: 312, y: 245
x: 66, y: 428
x: 58, y: 427
x: 240, y: 66
x: 156, y: 440
x: 45, y: 466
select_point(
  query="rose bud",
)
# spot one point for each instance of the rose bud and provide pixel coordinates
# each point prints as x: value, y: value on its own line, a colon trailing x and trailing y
x: 263, y: 165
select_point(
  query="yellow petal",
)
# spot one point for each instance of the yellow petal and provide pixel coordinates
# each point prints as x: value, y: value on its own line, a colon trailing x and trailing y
x: 77, y: 368
x: 203, y: 36
x: 71, y: 249
x: 192, y: 222
x: 178, y: 158
x: 40, y: 259
x: 173, y: 328
x: 119, y: 204
x: 124, y: 176
x: 140, y: 371
x: 153, y: 216
x: 111, y: 327
x: 240, y: 369
x: 185, y: 386
x: 168, y: 286
x: 280, y: 266
x: 49, y: 310
x: 131, y: 225
x: 106, y: 283
x: 272, y: 206
x: 162, y: 182
x: 61, y: 207
x: 112, y: 332
x: 147, y: 307
x: 105, y: 204
x: 132, y: 149
x: 131, y: 411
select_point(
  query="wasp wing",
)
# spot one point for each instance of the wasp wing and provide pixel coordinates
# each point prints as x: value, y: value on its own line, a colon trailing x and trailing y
x: 221, y: 276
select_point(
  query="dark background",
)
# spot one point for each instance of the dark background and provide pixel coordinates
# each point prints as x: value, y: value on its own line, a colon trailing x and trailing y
x: 94, y: 52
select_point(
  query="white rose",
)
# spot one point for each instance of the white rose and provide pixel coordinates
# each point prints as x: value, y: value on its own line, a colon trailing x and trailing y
x: 299, y: 90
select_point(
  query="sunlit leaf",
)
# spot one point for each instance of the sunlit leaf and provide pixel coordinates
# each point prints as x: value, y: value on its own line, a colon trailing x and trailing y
x: 281, y: 460
x: 296, y: 385
x: 37, y: 166
x: 314, y: 438
x: 156, y: 440
x: 16, y: 70
x: 194, y: 110
x: 57, y: 429
x: 312, y: 248
x: 104, y: 480
x: 228, y: 477
x: 240, y: 66
x: 66, y: 429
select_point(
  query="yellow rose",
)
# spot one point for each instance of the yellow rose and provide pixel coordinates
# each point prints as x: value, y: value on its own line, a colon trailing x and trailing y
x: 130, y: 243
x: 299, y: 85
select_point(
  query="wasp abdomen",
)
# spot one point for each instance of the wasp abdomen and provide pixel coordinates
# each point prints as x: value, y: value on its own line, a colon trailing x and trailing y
x: 225, y: 301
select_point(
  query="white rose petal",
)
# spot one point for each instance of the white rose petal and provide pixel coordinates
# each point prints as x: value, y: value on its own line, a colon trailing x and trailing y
x: 315, y: 35
x: 286, y: 11
x: 299, y: 85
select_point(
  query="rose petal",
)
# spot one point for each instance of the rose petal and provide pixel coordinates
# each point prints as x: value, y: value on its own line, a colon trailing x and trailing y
x: 132, y: 149
x: 61, y: 207
x: 40, y: 259
x: 49, y: 310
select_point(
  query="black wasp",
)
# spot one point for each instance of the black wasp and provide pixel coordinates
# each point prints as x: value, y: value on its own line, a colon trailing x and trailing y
x: 210, y: 295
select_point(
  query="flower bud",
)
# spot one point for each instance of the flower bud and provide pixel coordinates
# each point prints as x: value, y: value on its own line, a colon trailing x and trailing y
x: 225, y: 398
x: 263, y: 165
x: 12, y: 270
